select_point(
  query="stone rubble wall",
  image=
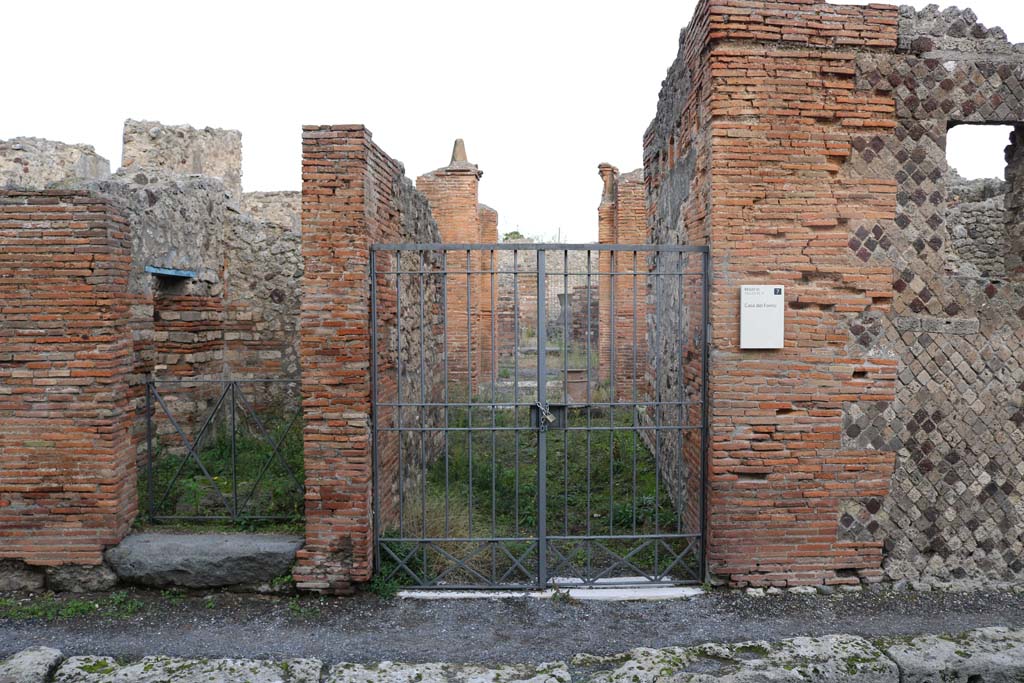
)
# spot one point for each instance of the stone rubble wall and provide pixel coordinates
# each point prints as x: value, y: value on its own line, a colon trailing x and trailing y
x: 184, y: 150
x: 976, y: 220
x: 278, y: 208
x: 34, y: 163
x: 677, y: 182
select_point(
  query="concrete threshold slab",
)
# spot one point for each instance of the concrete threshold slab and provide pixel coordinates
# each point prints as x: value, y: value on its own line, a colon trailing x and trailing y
x: 607, y: 590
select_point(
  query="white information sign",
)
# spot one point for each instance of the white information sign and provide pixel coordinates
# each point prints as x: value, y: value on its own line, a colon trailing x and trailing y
x: 762, y: 316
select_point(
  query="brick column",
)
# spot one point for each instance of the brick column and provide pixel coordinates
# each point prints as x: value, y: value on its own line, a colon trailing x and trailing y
x: 67, y: 467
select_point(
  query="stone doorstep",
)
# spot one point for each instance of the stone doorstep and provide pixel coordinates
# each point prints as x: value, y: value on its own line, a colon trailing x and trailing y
x: 214, y: 560
x: 990, y: 654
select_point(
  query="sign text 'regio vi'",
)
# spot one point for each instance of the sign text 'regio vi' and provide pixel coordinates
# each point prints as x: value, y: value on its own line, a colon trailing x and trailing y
x: 762, y: 316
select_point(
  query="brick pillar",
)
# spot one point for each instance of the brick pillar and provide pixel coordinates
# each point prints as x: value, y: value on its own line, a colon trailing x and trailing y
x: 67, y: 467
x: 353, y: 195
x: 606, y: 234
x: 631, y: 291
x: 453, y: 193
x: 622, y: 219
x: 484, y: 341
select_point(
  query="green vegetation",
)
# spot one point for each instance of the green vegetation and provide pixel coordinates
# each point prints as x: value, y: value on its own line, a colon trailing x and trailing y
x: 493, y: 492
x: 268, y: 484
x: 48, y: 607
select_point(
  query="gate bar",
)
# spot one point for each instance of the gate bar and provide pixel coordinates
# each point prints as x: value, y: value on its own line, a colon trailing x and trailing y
x: 542, y: 433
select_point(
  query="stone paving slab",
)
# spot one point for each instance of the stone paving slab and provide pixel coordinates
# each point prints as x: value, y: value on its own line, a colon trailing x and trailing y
x: 203, y: 560
x: 992, y: 655
x: 830, y: 658
x: 391, y: 672
x: 165, y: 669
x: 33, y: 665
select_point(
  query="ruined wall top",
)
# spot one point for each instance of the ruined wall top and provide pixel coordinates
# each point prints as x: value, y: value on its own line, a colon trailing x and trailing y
x: 215, y: 152
x: 34, y: 163
x: 952, y: 30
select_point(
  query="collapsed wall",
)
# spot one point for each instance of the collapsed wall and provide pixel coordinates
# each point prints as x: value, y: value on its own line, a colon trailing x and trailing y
x: 804, y: 142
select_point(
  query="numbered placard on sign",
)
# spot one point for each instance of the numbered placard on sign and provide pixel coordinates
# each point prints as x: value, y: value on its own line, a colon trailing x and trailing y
x: 762, y: 316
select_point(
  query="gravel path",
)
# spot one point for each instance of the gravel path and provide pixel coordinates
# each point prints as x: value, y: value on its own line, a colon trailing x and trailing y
x: 367, y: 629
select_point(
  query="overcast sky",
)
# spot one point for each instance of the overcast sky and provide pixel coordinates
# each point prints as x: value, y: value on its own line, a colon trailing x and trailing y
x: 541, y: 91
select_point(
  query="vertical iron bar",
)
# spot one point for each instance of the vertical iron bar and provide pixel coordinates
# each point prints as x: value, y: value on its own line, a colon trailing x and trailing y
x: 469, y: 380
x: 494, y: 399
x: 705, y: 413
x: 423, y: 409
x: 444, y: 353
x: 515, y: 375
x: 635, y: 371
x: 611, y: 396
x: 234, y: 457
x: 398, y: 382
x: 149, y: 452
x: 565, y: 390
x: 588, y: 335
x: 656, y: 319
x: 542, y: 462
x: 374, y: 416
x: 681, y: 269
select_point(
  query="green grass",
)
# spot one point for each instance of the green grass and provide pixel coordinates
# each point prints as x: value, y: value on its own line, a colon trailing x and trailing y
x: 48, y: 607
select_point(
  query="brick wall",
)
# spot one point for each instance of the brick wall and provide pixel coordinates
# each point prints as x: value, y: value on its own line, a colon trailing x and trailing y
x: 354, y: 195
x: 67, y: 469
x: 804, y: 142
x: 746, y: 155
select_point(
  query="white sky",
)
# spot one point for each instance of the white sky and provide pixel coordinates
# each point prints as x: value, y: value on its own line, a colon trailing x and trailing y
x: 541, y: 91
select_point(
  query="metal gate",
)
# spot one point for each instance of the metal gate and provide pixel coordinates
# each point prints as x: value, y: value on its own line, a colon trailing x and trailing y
x: 539, y: 414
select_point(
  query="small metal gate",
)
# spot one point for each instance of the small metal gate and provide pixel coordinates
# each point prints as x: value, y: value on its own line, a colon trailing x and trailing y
x: 539, y: 414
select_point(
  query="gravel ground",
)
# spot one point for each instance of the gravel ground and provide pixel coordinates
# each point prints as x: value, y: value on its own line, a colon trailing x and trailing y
x: 367, y: 629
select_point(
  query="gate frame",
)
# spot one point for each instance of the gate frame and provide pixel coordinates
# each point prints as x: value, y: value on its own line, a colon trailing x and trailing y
x: 541, y: 249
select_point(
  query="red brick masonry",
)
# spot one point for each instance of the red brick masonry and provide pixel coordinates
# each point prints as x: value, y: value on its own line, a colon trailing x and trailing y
x: 67, y: 468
